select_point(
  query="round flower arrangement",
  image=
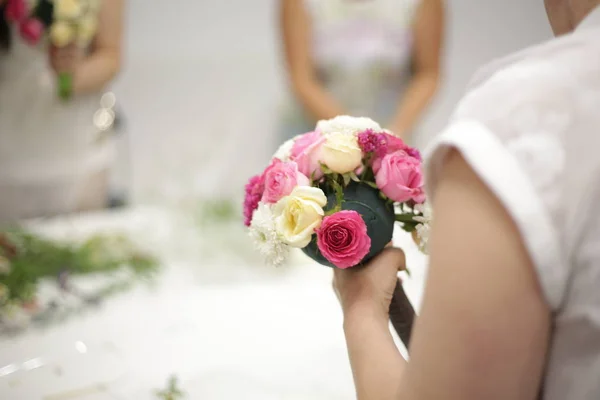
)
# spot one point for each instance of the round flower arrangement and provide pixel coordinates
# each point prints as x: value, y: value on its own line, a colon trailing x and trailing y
x: 336, y: 193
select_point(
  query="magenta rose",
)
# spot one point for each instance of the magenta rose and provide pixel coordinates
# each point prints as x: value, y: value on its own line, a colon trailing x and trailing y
x: 31, y: 30
x: 280, y: 179
x: 400, y: 177
x: 343, y: 240
x: 305, y: 152
x: 254, y: 192
x: 15, y: 10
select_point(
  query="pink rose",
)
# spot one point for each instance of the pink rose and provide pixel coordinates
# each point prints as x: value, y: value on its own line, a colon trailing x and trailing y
x: 32, y: 30
x: 280, y: 179
x: 254, y: 192
x: 400, y: 177
x: 343, y: 240
x: 16, y: 10
x: 305, y: 152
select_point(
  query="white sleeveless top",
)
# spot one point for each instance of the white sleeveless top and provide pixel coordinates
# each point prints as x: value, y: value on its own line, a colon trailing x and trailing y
x: 362, y: 51
x: 42, y: 138
x: 529, y: 126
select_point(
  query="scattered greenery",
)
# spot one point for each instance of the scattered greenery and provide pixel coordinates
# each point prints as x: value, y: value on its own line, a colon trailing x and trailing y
x: 172, y: 392
x: 26, y: 258
x: 215, y: 211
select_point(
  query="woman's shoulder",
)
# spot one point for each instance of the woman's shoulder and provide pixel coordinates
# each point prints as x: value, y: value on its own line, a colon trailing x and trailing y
x: 526, y: 127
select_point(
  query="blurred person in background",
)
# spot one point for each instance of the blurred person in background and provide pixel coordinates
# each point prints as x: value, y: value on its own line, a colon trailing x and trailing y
x: 54, y: 158
x: 371, y: 58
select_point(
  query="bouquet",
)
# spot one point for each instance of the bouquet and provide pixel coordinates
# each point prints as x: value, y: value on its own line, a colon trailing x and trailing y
x: 336, y: 193
x: 67, y: 22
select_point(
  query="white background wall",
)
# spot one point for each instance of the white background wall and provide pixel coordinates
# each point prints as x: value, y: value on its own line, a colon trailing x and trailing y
x: 202, y: 82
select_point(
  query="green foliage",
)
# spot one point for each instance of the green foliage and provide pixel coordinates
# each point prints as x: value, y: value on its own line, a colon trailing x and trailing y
x: 172, y: 391
x: 407, y: 221
x: 31, y: 258
x: 216, y: 211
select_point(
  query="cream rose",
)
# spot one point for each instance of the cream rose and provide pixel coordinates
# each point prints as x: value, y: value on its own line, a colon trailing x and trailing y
x: 341, y: 153
x: 299, y: 214
x: 61, y: 33
x: 67, y: 9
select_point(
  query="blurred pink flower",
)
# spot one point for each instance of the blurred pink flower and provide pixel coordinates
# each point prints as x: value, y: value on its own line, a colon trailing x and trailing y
x: 343, y: 240
x: 16, y: 10
x: 254, y: 192
x: 32, y: 30
x: 400, y: 177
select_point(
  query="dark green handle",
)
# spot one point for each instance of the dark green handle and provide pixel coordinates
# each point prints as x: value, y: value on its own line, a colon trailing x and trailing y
x: 402, y: 314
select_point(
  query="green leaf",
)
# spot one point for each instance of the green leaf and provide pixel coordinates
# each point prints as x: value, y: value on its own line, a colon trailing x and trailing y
x: 405, y: 218
x: 372, y: 184
x: 347, y: 179
x: 326, y: 169
x: 354, y: 177
x: 339, y: 195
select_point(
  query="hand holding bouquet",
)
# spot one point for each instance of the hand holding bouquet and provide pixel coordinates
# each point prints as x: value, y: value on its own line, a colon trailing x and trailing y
x: 336, y: 193
x: 72, y: 25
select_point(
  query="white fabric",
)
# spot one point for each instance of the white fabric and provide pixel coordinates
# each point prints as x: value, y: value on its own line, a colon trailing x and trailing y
x: 47, y: 147
x: 528, y: 126
x: 362, y: 51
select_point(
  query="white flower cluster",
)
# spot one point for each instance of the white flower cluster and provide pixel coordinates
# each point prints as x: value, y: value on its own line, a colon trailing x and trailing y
x: 265, y: 236
x: 290, y: 222
x: 424, y: 226
x: 346, y: 124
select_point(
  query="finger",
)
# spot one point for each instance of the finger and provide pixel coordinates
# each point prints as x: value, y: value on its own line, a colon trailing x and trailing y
x: 395, y: 255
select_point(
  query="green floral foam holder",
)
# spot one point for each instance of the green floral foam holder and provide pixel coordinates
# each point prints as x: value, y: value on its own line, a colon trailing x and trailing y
x: 378, y: 215
x: 65, y: 85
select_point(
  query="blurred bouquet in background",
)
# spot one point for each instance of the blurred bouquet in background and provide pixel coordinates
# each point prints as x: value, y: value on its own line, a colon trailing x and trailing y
x: 67, y: 22
x: 336, y: 193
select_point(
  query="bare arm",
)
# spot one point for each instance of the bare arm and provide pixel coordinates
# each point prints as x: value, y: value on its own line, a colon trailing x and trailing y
x: 295, y: 28
x: 103, y: 64
x: 428, y: 34
x: 484, y: 327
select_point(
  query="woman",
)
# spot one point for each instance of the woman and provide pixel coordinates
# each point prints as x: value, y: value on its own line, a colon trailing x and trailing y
x: 372, y: 58
x: 511, y: 303
x: 53, y: 157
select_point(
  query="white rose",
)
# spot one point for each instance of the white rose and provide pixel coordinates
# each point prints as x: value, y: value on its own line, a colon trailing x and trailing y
x: 341, y: 153
x: 299, y: 214
x: 346, y: 124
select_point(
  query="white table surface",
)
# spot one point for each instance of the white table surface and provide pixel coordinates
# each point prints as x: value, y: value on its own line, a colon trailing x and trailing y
x: 226, y: 326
